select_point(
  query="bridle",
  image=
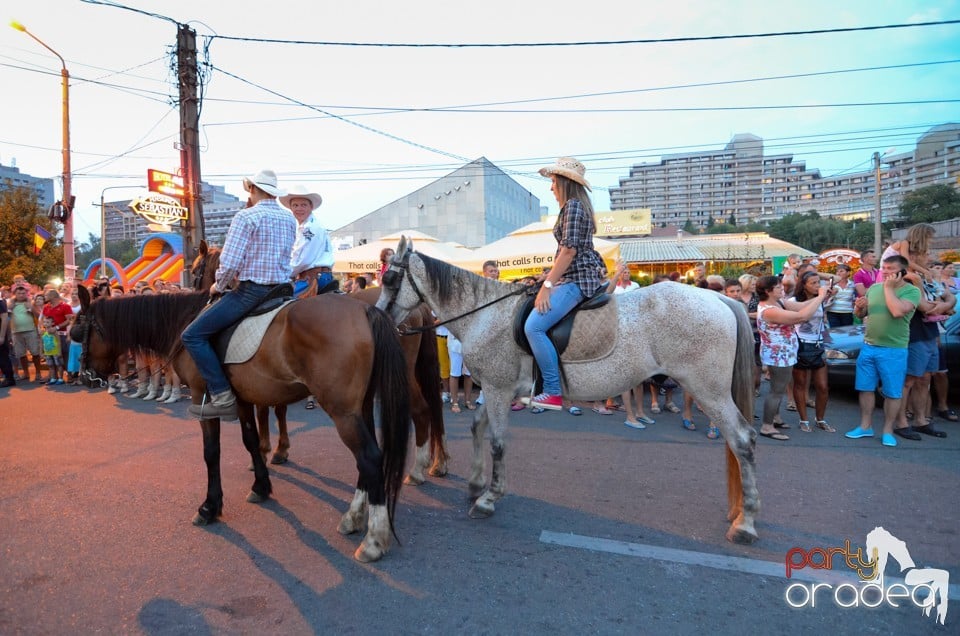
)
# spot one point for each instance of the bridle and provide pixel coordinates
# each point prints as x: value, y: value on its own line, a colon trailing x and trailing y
x: 392, y: 280
x: 85, y: 321
x: 198, y: 273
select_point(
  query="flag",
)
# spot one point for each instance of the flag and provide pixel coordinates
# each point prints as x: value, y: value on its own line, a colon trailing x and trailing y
x: 40, y: 236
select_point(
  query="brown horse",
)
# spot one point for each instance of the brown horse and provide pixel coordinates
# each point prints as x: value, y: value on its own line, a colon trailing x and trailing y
x: 345, y: 368
x: 423, y: 371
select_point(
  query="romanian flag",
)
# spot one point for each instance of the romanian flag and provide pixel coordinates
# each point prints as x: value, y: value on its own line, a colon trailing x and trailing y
x: 40, y: 236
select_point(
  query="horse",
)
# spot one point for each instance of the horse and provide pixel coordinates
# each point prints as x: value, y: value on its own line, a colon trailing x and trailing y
x: 420, y: 352
x: 345, y: 368
x: 701, y: 339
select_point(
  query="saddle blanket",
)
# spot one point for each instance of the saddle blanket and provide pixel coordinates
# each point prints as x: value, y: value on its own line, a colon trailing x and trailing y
x: 594, y: 334
x: 247, y: 337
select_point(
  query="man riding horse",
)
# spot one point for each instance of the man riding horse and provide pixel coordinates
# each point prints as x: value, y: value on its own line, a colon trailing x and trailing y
x: 312, y: 256
x: 256, y: 253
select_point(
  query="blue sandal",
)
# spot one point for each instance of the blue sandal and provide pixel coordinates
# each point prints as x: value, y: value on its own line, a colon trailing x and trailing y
x: 690, y: 426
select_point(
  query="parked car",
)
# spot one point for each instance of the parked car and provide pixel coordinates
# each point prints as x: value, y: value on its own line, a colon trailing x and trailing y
x: 843, y: 344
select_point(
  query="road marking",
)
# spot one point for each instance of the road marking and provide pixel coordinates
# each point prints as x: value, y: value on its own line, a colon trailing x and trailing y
x: 706, y: 559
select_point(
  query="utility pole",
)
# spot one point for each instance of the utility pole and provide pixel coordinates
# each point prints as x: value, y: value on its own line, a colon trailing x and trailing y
x: 877, y: 225
x: 193, y: 230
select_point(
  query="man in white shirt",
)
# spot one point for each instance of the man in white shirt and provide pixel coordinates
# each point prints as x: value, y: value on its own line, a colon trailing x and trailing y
x: 312, y: 257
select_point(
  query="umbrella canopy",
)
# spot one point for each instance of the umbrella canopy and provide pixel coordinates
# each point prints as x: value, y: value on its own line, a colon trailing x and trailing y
x: 366, y: 258
x: 525, y: 252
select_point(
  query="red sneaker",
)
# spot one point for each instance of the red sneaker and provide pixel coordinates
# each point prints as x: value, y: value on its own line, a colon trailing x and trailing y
x: 552, y: 402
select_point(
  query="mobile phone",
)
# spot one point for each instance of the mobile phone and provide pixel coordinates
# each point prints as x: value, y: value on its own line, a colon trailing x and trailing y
x: 903, y: 273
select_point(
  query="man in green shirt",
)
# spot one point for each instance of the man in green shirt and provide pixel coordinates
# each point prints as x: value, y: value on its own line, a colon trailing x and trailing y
x: 883, y: 357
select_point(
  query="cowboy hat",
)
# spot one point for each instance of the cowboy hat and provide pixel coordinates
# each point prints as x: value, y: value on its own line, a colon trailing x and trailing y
x: 300, y: 192
x: 265, y: 180
x: 567, y: 167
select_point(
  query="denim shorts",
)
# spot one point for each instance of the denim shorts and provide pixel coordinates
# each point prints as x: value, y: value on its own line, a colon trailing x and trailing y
x: 886, y: 366
x: 922, y: 357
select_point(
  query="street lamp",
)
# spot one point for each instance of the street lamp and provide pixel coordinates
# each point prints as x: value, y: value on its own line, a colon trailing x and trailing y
x: 103, y: 226
x: 69, y: 263
x: 877, y: 222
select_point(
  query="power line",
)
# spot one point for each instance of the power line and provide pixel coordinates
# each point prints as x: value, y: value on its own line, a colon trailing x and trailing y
x: 488, y: 45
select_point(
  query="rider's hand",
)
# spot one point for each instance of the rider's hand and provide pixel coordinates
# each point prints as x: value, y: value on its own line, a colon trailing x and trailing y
x: 214, y: 289
x: 542, y: 302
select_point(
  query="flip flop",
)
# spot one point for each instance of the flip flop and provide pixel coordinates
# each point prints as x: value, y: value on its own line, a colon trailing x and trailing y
x: 949, y: 414
x: 782, y: 425
x: 929, y: 430
x: 455, y: 408
x: 690, y: 426
x: 575, y: 410
x: 791, y: 407
x: 516, y: 406
x: 780, y: 437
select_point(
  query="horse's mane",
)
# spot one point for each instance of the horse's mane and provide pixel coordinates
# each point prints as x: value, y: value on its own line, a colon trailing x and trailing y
x: 452, y: 281
x: 152, y: 323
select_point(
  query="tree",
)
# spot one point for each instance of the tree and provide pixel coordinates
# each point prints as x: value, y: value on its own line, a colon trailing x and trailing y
x: 731, y: 220
x: 710, y: 221
x: 723, y: 228
x: 931, y: 203
x: 690, y: 228
x: 19, y: 215
x: 124, y: 251
x: 785, y: 229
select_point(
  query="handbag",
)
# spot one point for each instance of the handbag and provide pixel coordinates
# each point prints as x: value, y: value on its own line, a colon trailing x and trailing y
x: 810, y: 354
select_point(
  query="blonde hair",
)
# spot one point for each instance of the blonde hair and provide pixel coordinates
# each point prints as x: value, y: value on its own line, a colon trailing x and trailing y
x: 746, y: 279
x: 918, y: 238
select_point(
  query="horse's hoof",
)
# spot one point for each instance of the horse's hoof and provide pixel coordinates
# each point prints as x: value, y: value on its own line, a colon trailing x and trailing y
x: 741, y: 536
x: 278, y: 459
x: 481, y: 510
x: 410, y: 480
x: 368, y: 553
x: 475, y: 490
x: 201, y: 521
x: 437, y: 471
x: 255, y: 498
x: 347, y: 526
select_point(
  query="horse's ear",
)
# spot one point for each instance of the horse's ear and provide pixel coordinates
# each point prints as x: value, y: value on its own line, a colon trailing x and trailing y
x: 203, y: 247
x: 84, y: 296
x: 402, y: 245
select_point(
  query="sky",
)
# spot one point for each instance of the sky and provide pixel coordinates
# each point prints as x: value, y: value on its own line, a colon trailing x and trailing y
x: 364, y: 126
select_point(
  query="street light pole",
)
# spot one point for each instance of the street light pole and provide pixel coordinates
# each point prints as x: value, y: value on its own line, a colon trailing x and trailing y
x: 877, y: 223
x: 69, y: 262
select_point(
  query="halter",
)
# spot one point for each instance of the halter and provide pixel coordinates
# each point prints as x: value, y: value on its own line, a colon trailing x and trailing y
x: 87, y: 320
x: 198, y: 273
x: 392, y: 281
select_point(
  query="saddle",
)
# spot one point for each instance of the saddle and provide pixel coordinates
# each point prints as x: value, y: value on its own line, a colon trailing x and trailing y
x: 238, y: 342
x: 595, y: 319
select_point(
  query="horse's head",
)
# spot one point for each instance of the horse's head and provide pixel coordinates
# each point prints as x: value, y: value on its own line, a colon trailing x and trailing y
x: 204, y: 268
x: 96, y: 353
x: 399, y: 294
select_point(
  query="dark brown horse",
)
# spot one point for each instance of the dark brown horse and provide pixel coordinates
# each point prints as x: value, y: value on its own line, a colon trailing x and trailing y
x: 345, y: 368
x: 423, y: 371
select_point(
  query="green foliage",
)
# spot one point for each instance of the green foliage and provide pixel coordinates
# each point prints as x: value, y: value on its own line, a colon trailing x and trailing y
x: 753, y: 227
x: 732, y: 271
x: 690, y: 228
x: 123, y: 251
x: 19, y: 215
x: 723, y: 228
x: 710, y: 222
x: 931, y: 203
x: 817, y: 234
x: 731, y: 220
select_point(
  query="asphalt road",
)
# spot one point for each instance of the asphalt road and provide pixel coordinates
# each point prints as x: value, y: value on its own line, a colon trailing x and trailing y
x: 605, y: 529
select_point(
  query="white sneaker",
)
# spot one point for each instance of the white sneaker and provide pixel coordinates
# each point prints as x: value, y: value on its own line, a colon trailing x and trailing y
x: 445, y: 397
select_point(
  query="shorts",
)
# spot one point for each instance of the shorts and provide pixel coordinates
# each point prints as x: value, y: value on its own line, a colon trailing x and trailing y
x: 457, y: 367
x: 922, y: 358
x: 24, y: 341
x: 444, y: 356
x: 886, y: 366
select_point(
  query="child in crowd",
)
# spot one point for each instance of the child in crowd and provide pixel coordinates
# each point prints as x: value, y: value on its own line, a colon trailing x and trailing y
x: 52, y: 351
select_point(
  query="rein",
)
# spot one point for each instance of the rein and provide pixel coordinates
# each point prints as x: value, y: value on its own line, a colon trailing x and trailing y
x: 419, y: 330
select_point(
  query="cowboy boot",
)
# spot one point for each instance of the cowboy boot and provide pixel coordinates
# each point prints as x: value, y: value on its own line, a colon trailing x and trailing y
x: 167, y: 389
x: 140, y: 392
x: 151, y: 394
x: 222, y: 405
x: 174, y: 396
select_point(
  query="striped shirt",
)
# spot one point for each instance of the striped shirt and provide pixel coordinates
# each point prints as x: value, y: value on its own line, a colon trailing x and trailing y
x: 258, y: 245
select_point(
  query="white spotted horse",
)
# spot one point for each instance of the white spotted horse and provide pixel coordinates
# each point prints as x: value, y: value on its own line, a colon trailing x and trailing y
x: 709, y: 352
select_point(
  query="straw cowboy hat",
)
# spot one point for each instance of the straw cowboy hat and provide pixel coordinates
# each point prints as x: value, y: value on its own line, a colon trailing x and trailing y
x: 300, y: 192
x: 567, y: 167
x: 265, y: 180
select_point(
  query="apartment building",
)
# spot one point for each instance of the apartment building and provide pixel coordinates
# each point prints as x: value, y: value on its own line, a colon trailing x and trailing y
x: 10, y: 176
x: 741, y: 182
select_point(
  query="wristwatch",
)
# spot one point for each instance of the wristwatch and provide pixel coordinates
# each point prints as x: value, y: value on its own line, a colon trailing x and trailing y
x: 548, y: 284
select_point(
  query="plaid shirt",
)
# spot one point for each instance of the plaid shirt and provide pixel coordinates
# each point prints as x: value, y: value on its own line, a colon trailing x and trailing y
x: 258, y: 244
x: 574, y: 229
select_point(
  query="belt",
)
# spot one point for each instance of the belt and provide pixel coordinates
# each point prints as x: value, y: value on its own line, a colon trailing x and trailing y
x: 307, y: 273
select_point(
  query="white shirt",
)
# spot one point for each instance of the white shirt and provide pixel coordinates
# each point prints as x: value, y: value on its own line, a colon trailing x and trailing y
x: 623, y: 290
x: 312, y: 247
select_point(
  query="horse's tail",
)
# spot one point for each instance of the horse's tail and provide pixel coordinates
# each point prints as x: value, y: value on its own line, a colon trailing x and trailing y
x: 427, y: 371
x: 389, y: 380
x: 741, y: 386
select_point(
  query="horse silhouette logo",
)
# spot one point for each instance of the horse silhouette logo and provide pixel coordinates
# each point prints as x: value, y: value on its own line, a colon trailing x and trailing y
x: 925, y: 588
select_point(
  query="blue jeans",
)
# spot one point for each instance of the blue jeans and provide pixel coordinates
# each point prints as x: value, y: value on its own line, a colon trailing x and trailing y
x: 223, y: 313
x: 563, y: 299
